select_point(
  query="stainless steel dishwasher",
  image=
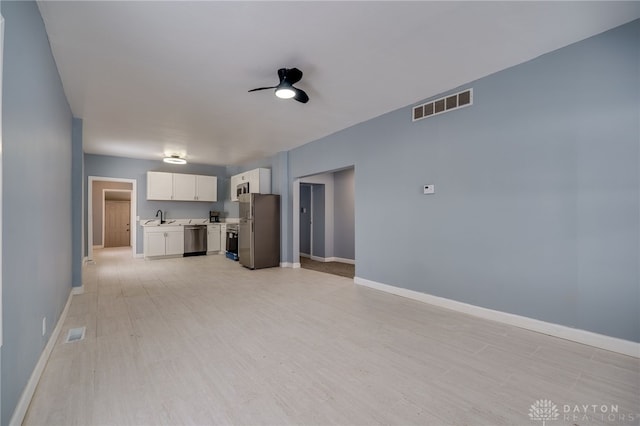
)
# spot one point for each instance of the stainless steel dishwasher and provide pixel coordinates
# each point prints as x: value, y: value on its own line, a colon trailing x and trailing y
x: 195, y: 240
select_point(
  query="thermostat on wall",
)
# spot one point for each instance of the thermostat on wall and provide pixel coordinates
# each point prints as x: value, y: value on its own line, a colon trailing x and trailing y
x: 429, y: 189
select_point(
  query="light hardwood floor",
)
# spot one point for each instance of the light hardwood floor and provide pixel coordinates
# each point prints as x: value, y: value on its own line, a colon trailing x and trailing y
x: 202, y: 341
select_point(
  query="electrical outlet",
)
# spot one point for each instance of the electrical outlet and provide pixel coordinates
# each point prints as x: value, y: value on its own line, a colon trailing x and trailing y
x: 429, y: 189
x: 44, y: 326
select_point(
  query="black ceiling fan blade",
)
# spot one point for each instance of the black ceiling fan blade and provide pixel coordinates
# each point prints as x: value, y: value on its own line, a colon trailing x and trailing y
x: 282, y: 74
x: 294, y: 75
x: 300, y: 96
x: 262, y: 88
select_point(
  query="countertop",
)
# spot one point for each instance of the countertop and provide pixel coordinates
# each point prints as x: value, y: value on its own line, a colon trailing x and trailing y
x: 182, y: 222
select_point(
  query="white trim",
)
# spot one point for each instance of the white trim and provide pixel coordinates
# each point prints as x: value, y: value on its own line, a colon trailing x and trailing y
x: 134, y: 206
x: 329, y: 259
x: 138, y: 255
x: 307, y: 255
x: 77, y: 290
x: 601, y: 341
x: 286, y: 265
x: 29, y: 390
x: 341, y: 260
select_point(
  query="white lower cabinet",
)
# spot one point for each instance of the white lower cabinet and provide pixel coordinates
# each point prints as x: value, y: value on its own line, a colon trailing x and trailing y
x: 214, y: 238
x: 163, y: 241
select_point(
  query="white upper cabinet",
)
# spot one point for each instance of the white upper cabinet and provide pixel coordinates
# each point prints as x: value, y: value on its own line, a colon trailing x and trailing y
x: 206, y: 188
x: 181, y: 187
x: 259, y: 181
x: 159, y: 186
x: 184, y: 187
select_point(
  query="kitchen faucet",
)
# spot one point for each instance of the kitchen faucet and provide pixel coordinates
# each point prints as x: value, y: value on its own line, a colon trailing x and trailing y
x: 159, y: 212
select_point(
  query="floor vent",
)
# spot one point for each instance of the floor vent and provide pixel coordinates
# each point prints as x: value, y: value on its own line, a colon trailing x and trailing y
x: 445, y: 104
x: 75, y: 334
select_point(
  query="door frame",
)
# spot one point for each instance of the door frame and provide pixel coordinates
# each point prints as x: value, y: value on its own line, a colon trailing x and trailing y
x: 104, y: 210
x: 133, y: 190
x: 329, y: 223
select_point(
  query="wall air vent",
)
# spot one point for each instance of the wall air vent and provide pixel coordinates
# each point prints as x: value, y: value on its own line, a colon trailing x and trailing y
x: 445, y: 104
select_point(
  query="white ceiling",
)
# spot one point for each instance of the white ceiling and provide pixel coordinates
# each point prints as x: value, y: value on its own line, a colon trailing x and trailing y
x: 155, y: 78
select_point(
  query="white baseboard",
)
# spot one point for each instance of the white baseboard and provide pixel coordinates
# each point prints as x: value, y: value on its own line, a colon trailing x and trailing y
x: 601, y: 341
x: 289, y: 265
x: 77, y: 290
x: 330, y: 259
x: 341, y: 260
x: 138, y: 256
x: 98, y: 247
x: 25, y: 398
x: 305, y: 255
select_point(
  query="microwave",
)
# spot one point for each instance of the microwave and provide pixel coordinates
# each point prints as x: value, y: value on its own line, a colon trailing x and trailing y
x: 242, y: 188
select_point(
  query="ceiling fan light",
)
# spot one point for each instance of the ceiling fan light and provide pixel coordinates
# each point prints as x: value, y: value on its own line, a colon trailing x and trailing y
x: 285, y: 93
x: 174, y: 159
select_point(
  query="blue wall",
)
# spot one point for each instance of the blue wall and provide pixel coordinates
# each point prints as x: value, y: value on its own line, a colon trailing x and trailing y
x: 127, y: 168
x: 77, y: 169
x: 536, y: 210
x: 36, y: 176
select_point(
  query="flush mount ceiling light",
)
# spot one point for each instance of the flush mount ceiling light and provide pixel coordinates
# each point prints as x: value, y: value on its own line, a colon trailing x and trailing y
x: 174, y: 159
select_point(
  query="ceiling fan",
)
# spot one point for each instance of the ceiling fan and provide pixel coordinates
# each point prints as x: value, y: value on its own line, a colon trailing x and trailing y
x: 285, y: 90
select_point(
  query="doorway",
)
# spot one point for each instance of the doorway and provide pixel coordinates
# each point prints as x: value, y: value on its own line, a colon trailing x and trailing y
x: 324, y: 222
x: 312, y: 221
x: 305, y: 220
x: 318, y: 228
x: 97, y: 189
x: 117, y: 218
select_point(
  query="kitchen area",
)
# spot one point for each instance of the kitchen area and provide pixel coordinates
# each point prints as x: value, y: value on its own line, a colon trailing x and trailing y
x: 252, y: 238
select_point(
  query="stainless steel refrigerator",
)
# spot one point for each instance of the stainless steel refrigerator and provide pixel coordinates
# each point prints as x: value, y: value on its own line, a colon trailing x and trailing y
x: 259, y: 230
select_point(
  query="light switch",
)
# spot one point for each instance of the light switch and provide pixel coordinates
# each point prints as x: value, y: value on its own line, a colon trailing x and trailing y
x: 429, y: 189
